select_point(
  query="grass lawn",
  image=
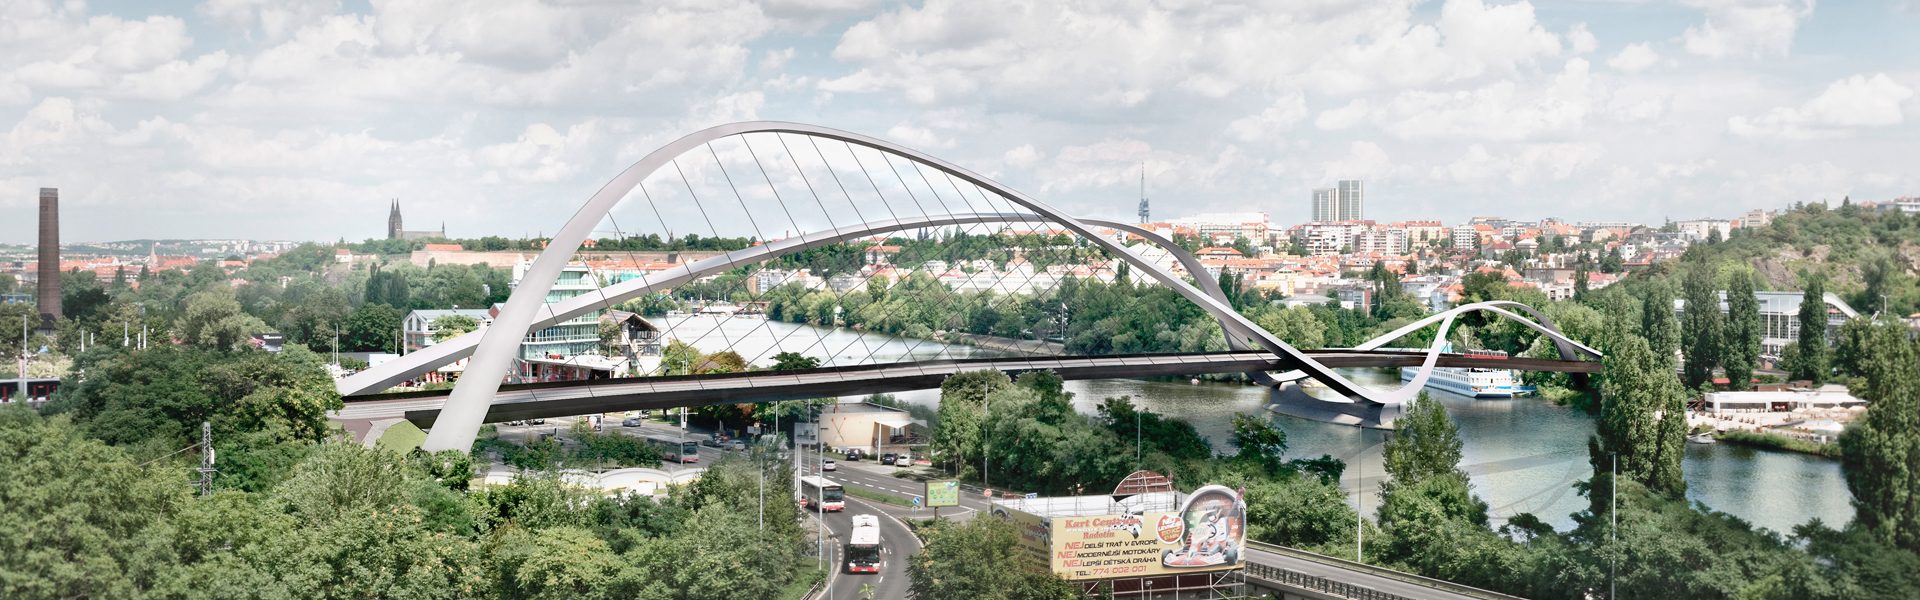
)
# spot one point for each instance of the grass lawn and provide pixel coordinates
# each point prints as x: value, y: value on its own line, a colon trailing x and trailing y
x: 803, y: 582
x: 867, y: 494
x: 402, y: 437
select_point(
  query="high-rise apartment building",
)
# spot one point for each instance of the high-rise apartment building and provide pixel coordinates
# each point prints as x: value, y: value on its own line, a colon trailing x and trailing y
x: 1346, y: 201
x: 1352, y: 200
x: 1326, y: 205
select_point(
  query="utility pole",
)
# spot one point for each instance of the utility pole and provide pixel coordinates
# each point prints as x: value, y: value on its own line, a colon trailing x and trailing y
x: 206, y: 458
x: 1613, y: 512
x: 1136, y: 438
x: 1360, y: 498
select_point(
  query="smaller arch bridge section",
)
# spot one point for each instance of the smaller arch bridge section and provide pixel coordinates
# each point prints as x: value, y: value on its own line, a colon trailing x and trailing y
x: 494, y: 350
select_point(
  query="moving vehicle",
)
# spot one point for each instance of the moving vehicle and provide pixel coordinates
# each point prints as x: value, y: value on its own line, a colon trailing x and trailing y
x: 673, y: 449
x: 738, y: 444
x: 863, y: 545
x: 829, y: 465
x: 820, y: 493
x: 630, y: 422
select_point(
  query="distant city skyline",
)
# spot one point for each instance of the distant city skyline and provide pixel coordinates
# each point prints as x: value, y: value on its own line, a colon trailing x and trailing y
x: 297, y: 120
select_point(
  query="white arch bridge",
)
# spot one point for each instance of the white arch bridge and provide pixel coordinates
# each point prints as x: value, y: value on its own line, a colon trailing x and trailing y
x: 919, y: 181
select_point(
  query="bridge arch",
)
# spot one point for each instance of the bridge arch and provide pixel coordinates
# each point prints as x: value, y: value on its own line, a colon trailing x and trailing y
x: 493, y: 351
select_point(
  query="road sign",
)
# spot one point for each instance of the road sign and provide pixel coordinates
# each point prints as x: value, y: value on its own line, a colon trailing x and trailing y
x: 943, y: 493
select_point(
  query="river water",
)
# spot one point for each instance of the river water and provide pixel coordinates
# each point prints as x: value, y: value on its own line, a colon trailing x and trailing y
x: 1523, y: 455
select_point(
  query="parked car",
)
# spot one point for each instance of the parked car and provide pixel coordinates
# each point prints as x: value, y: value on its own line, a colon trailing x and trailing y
x: 739, y: 445
x: 516, y: 423
x: 630, y: 422
x: 539, y: 421
x: 828, y: 466
x: 855, y: 454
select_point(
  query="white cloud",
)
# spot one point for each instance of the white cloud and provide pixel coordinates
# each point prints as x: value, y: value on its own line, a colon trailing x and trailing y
x: 919, y: 138
x: 1504, y: 110
x: 1755, y: 28
x: 1022, y: 156
x: 1531, y: 163
x: 1265, y: 127
x: 272, y: 19
x: 1343, y: 117
x: 1848, y: 104
x: 1582, y: 40
x: 1634, y: 58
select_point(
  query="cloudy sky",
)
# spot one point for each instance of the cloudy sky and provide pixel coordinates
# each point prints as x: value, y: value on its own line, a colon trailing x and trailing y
x: 300, y: 119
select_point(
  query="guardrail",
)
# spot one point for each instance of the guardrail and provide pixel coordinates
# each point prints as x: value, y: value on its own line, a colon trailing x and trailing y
x: 1284, y: 576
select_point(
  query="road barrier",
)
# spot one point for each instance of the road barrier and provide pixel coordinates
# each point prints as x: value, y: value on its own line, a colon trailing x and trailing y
x: 1294, y: 579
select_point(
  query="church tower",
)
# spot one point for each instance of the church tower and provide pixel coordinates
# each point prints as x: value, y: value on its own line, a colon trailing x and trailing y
x: 393, y: 221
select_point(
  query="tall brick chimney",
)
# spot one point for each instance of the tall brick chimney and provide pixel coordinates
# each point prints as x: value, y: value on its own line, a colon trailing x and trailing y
x: 49, y: 257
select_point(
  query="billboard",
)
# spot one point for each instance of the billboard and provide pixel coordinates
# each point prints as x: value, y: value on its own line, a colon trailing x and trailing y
x: 943, y: 493
x: 1207, y: 533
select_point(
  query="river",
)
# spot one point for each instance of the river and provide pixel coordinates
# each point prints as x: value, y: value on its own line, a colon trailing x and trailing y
x: 1523, y: 455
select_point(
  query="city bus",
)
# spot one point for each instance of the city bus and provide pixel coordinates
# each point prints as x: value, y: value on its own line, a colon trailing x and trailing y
x: 863, y: 545
x: 820, y: 493
x: 673, y: 449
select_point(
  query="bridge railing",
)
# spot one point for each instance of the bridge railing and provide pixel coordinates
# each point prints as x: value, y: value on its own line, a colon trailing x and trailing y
x: 1291, y: 578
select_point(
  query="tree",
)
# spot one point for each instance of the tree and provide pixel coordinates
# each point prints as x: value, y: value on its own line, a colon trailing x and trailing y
x: 1812, y: 363
x: 1639, y: 420
x: 978, y: 560
x: 789, y: 361
x: 963, y: 398
x: 1296, y: 326
x: 1424, y: 443
x: 1260, y: 442
x: 78, y: 518
x: 1878, y: 451
x: 213, y: 320
x: 372, y: 328
x: 1741, y: 349
x: 1702, y: 331
x: 447, y: 327
x: 1657, y: 323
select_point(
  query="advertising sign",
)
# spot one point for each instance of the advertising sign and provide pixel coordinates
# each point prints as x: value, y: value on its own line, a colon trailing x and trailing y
x: 1207, y: 533
x: 943, y: 493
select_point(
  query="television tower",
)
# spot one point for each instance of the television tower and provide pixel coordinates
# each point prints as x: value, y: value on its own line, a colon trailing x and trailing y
x: 1143, y: 193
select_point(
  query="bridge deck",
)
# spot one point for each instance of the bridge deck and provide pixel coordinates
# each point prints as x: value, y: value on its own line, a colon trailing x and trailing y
x: 556, y: 399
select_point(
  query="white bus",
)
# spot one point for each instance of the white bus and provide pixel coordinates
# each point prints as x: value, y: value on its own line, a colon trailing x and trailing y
x: 863, y: 545
x: 675, y: 449
x: 822, y: 494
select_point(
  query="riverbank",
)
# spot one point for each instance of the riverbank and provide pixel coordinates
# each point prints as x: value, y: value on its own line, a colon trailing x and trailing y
x: 1008, y: 345
x: 1775, y: 441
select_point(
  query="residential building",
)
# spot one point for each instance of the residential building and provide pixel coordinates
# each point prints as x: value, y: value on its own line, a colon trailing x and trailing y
x: 1228, y: 227
x: 417, y: 330
x: 1421, y: 234
x: 1702, y: 229
x: 1465, y: 237
x: 1757, y: 218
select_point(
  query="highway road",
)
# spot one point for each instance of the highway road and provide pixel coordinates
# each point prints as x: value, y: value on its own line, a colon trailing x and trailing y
x: 897, y: 544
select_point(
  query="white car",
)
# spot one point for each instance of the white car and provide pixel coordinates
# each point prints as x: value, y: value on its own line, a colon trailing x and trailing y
x: 829, y: 466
